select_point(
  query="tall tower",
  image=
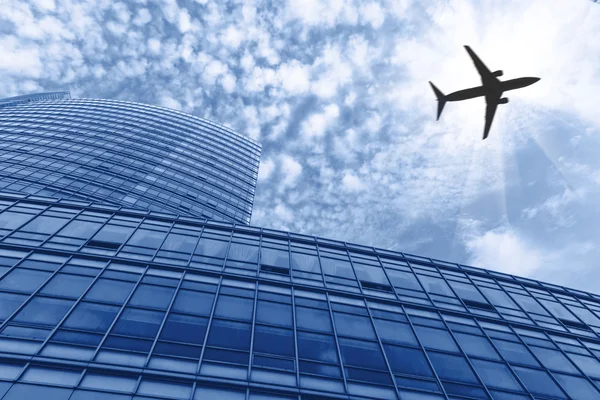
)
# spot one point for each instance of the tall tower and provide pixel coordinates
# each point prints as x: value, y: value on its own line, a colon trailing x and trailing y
x: 130, y: 296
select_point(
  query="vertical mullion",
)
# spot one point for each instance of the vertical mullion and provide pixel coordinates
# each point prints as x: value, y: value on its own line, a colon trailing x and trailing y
x: 209, y: 324
x: 337, y: 344
x: 162, y: 324
x: 414, y: 332
x: 296, y: 356
x: 252, y: 327
x: 389, y: 367
x: 77, y: 302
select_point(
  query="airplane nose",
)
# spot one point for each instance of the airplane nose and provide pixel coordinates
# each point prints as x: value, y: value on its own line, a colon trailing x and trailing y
x: 534, y: 80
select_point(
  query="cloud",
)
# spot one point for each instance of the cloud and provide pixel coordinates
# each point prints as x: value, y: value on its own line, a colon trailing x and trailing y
x: 290, y: 169
x: 505, y: 250
x: 266, y: 169
x: 317, y: 124
x: 352, y: 183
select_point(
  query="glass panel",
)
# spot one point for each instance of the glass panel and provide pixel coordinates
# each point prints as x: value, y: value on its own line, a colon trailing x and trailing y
x: 234, y: 307
x: 23, y: 280
x: 452, y: 367
x: 405, y: 360
x: 274, y: 313
x: 91, y: 317
x: 578, y: 388
x: 66, y: 285
x: 199, y: 303
x: 515, y: 353
x: 361, y: 354
x: 9, y: 302
x: 538, y: 382
x: 305, y: 262
x: 435, y: 338
x: 313, y: 346
x: 142, y: 323
x: 476, y: 346
x: 553, y: 359
x: 353, y: 325
x: 43, y: 311
x: 110, y: 291
x: 184, y: 328
x: 152, y: 296
x: 274, y: 341
x: 313, y: 319
x: 496, y: 375
x: 229, y: 334
x: 395, y: 332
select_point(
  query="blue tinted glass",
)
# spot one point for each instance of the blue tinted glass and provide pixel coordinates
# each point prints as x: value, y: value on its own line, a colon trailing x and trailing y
x: 313, y: 346
x: 136, y: 322
x: 553, y: 359
x: 110, y: 291
x: 405, y: 360
x: 498, y: 298
x: 123, y: 343
x: 44, y: 224
x: 435, y: 338
x: 43, y: 311
x: 476, y: 346
x: 243, y: 252
x: 496, y: 375
x: 274, y: 341
x: 395, y: 332
x: 339, y: 268
x: 515, y: 353
x: 91, y: 317
x: 529, y: 304
x: 538, y: 382
x: 229, y: 334
x: 152, y: 296
x: 590, y: 366
x: 578, y: 388
x: 193, y: 302
x: 305, y: 262
x: 234, y: 307
x: 313, y: 319
x: 274, y: 313
x: 21, y: 391
x: 353, y: 325
x: 80, y: 229
x: 278, y: 258
x: 405, y: 280
x: 147, y: 238
x: 361, y: 353
x: 113, y: 233
x: 467, y: 291
x: 23, y: 280
x: 184, y: 328
x: 451, y: 367
x: 212, y: 248
x: 435, y: 285
x: 182, y: 243
x: 66, y: 285
x: 178, y: 350
x: 9, y: 302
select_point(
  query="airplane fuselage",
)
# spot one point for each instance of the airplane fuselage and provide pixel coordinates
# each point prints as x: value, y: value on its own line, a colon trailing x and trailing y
x: 496, y: 89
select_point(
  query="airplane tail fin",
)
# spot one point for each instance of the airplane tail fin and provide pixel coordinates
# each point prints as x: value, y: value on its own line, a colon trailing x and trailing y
x: 440, y: 98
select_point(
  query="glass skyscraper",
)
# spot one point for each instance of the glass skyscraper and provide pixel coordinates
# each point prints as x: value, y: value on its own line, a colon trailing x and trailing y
x: 106, y: 299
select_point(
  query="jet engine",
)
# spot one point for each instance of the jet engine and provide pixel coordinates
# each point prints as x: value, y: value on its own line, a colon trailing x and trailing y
x: 503, y: 100
x: 497, y: 73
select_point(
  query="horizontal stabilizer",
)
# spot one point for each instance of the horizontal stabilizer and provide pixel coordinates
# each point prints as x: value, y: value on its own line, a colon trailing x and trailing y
x: 440, y: 98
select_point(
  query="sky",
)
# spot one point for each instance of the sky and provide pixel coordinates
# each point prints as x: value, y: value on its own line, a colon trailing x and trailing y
x: 337, y: 93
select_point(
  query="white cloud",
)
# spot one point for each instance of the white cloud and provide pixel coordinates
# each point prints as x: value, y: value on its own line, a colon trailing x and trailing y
x: 371, y: 13
x: 154, y: 46
x: 317, y: 124
x: 505, y: 250
x: 143, y: 17
x: 352, y: 183
x: 294, y: 77
x: 170, y: 102
x: 266, y: 169
x: 45, y: 5
x: 290, y: 168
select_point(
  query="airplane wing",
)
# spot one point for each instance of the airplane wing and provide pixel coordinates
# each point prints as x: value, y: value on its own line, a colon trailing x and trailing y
x: 490, y: 111
x: 486, y: 75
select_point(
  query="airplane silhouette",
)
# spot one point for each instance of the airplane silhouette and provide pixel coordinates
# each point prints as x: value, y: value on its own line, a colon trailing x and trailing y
x: 491, y: 87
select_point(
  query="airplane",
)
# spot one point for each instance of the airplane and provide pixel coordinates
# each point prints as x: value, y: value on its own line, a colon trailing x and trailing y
x: 491, y: 87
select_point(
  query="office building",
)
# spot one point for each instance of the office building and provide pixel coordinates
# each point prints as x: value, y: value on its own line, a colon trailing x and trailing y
x: 107, y: 300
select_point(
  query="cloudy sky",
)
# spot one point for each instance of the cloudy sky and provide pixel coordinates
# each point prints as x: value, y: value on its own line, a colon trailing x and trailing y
x: 336, y: 91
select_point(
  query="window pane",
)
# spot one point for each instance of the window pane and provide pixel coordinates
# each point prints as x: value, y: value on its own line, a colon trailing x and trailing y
x: 396, y: 332
x: 317, y: 347
x: 476, y: 346
x: 110, y: 291
x: 538, y: 382
x: 353, y: 325
x: 274, y: 341
x: 338, y: 268
x: 274, y: 313
x: 435, y: 285
x: 211, y: 248
x: 141, y: 323
x: 21, y: 391
x: 578, y: 388
x: 199, y: 303
x: 229, y: 334
x: 467, y: 291
x: 66, y: 285
x: 313, y: 319
x: 452, y: 367
x: 184, y: 328
x: 91, y: 317
x: 9, y: 302
x: 23, y: 280
x: 553, y: 359
x: 276, y: 258
x: 43, y: 224
x: 360, y: 353
x: 590, y: 366
x: 405, y: 360
x: 234, y: 307
x: 515, y: 353
x: 44, y: 311
x: 496, y: 375
x: 404, y: 280
x: 243, y: 252
x: 498, y: 298
x: 305, y: 262
x: 152, y: 296
x: 51, y: 375
x: 435, y: 338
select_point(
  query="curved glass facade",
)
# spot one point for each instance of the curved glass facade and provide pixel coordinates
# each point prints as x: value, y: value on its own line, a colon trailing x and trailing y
x: 120, y: 305
x: 101, y: 299
x: 125, y: 153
